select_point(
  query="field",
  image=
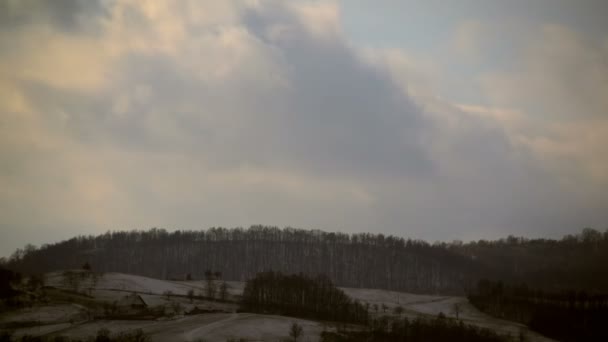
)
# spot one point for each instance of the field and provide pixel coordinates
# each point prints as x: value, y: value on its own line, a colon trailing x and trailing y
x: 75, y: 311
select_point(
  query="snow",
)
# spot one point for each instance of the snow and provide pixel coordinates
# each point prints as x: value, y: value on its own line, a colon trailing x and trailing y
x: 391, y: 299
x: 210, y: 327
x: 430, y: 306
x: 220, y: 327
x: 41, y: 329
x: 126, y: 282
x: 254, y: 327
x: 44, y: 314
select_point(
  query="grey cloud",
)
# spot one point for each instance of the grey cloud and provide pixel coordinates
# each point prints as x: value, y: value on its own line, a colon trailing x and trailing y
x: 310, y: 110
x: 338, y: 117
x: 66, y: 15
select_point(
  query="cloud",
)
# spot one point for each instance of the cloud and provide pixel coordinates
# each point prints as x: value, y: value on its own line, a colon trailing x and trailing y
x: 65, y: 15
x: 197, y: 114
x: 560, y: 84
x: 468, y: 40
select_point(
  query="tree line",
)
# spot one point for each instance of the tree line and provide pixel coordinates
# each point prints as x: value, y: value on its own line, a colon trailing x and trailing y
x: 303, y: 296
x: 103, y: 335
x: 350, y: 260
x: 578, y: 261
x: 567, y: 315
x: 439, y: 329
x: 315, y: 297
x: 357, y: 260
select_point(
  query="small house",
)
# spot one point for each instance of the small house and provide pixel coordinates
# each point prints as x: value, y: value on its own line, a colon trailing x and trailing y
x: 131, y: 302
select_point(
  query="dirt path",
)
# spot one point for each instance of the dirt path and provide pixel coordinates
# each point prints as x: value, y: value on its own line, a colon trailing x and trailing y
x: 206, y: 329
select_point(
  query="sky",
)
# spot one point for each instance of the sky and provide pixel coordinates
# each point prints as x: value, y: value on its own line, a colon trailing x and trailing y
x: 423, y: 119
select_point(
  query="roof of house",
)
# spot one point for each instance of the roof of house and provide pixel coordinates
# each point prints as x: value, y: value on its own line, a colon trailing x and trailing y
x: 132, y: 299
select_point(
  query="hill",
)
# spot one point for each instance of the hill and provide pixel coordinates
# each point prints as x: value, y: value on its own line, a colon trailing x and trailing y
x: 357, y: 260
x: 60, y: 315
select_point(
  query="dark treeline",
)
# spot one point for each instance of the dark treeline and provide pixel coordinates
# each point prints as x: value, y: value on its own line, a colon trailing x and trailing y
x: 301, y: 296
x: 317, y: 298
x: 574, y: 262
x: 564, y: 315
x: 103, y: 335
x: 357, y: 260
x: 7, y: 279
x: 439, y: 329
x: 8, y: 293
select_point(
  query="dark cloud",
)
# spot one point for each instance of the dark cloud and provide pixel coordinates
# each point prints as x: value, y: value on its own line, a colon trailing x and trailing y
x: 343, y: 116
x: 337, y: 116
x: 66, y: 15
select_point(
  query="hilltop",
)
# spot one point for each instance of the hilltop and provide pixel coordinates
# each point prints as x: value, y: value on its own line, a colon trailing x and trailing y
x: 349, y: 260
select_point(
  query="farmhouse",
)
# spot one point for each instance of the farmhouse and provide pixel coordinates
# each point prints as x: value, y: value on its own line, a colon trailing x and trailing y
x: 131, y: 302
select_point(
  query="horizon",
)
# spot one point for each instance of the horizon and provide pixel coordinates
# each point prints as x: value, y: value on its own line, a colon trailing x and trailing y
x: 423, y: 120
x: 577, y: 234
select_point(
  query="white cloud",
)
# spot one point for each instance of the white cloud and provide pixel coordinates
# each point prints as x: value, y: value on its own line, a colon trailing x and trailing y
x: 560, y: 84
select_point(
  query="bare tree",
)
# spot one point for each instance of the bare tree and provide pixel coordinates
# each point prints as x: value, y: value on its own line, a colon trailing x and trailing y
x: 457, y: 309
x: 210, y: 287
x: 191, y: 295
x: 176, y: 307
x: 86, y: 266
x: 224, y: 291
x: 398, y: 310
x: 71, y: 280
x: 295, y: 331
x: 522, y: 335
x: 35, y: 282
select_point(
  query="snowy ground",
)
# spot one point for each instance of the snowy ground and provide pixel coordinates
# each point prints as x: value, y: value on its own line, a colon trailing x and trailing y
x: 128, y: 282
x: 430, y: 306
x: 222, y: 326
x: 210, y: 327
x: 44, y: 314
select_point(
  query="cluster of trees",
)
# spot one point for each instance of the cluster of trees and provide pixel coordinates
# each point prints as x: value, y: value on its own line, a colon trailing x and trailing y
x: 7, y: 280
x: 438, y: 330
x: 212, y: 290
x: 301, y: 296
x: 355, y: 260
x: 8, y: 293
x: 564, y: 315
x: 575, y: 262
x: 78, y: 280
x: 103, y: 335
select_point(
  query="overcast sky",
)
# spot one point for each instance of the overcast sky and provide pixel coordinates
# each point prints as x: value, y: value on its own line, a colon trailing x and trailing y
x: 436, y: 120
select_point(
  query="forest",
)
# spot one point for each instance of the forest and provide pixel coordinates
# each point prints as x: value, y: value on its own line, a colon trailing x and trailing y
x: 317, y: 298
x: 439, y: 329
x: 567, y: 315
x: 577, y: 261
x: 103, y: 335
x: 350, y: 260
x: 301, y: 296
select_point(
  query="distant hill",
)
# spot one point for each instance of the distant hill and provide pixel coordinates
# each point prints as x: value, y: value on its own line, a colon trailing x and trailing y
x: 357, y: 260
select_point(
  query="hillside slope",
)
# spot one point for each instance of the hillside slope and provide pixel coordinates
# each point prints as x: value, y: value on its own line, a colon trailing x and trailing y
x: 112, y: 286
x: 360, y: 260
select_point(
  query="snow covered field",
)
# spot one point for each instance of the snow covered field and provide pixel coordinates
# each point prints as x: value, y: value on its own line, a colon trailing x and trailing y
x: 127, y: 282
x: 222, y: 326
x: 210, y: 327
x: 415, y: 305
